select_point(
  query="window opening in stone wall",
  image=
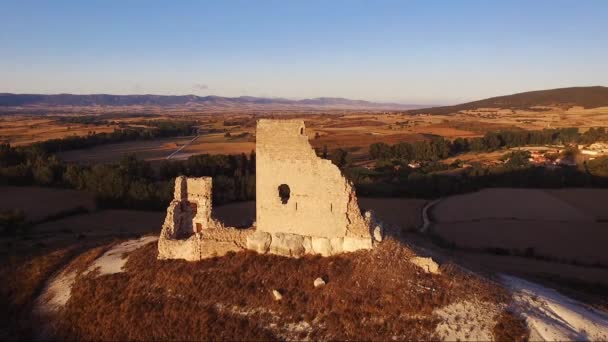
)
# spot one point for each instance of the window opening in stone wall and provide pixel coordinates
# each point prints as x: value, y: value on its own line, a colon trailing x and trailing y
x: 284, y: 193
x: 302, y: 131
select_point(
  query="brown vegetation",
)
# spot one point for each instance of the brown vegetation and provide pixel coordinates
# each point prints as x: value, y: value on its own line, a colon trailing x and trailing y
x: 587, y: 97
x: 510, y: 327
x: 230, y: 298
x: 23, y: 277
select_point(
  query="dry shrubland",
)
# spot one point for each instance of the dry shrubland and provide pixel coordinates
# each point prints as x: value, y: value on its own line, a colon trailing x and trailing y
x: 510, y: 327
x: 22, y: 280
x: 370, y: 295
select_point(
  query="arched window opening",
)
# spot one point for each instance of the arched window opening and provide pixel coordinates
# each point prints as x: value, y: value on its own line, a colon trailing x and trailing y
x: 284, y: 193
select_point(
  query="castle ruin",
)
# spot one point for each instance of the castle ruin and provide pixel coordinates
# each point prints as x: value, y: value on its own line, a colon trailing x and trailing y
x: 304, y: 205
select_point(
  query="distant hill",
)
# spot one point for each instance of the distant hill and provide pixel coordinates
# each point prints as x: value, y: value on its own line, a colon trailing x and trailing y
x: 21, y: 100
x: 587, y: 97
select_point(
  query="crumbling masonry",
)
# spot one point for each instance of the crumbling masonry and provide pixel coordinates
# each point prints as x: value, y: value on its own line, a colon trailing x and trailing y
x: 303, y: 205
x: 189, y: 231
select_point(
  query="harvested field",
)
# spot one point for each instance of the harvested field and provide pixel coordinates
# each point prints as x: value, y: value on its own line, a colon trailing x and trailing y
x: 39, y: 203
x: 526, y: 222
x: 401, y: 213
x: 240, y: 214
x: 118, y: 223
x: 160, y: 149
x: 504, y: 203
x: 25, y: 130
x: 559, y: 241
x: 145, y: 149
x: 393, y: 212
x: 445, y: 131
x: 593, y: 202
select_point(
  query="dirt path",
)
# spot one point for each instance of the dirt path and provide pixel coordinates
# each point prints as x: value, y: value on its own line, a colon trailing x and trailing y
x: 58, y: 288
x: 550, y: 315
x: 182, y: 147
x: 426, y: 220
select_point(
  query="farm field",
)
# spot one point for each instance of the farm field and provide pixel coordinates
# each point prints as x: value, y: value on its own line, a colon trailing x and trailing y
x: 117, y: 223
x: 144, y: 149
x: 25, y: 130
x: 530, y: 222
x: 404, y: 213
x: 351, y: 130
x: 38, y: 203
x: 393, y: 212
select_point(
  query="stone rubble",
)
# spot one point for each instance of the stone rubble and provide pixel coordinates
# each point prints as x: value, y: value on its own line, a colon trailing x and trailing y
x: 427, y: 264
x: 277, y: 295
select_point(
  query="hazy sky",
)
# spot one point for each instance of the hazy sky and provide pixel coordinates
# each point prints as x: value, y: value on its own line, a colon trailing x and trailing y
x: 402, y: 51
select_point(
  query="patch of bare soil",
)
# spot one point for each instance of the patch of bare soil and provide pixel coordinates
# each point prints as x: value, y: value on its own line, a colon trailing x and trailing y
x: 39, y: 203
x: 369, y: 295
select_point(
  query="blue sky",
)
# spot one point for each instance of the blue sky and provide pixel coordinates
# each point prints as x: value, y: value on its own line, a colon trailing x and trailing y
x: 400, y: 51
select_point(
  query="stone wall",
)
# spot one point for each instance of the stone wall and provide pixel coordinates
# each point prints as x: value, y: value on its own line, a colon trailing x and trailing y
x: 189, y: 231
x: 303, y: 203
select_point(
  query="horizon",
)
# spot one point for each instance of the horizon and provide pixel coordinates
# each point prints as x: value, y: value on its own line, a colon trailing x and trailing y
x: 406, y: 53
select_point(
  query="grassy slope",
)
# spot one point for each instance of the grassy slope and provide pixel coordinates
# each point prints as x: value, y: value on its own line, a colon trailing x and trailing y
x: 587, y: 97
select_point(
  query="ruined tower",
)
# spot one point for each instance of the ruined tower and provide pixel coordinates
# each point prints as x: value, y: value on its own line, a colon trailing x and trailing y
x: 300, y: 194
x: 303, y: 206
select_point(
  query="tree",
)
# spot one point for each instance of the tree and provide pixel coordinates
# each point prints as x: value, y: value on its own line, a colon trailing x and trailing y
x: 516, y: 159
x: 380, y: 151
x: 339, y: 157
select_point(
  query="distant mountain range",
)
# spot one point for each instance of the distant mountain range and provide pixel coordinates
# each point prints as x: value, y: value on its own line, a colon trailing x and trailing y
x: 22, y: 100
x: 587, y: 97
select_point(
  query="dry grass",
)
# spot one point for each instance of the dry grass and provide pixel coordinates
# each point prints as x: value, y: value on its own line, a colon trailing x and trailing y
x: 22, y: 279
x: 510, y: 327
x: 373, y: 295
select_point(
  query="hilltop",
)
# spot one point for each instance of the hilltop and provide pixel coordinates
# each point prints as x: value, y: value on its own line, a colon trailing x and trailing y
x: 587, y: 97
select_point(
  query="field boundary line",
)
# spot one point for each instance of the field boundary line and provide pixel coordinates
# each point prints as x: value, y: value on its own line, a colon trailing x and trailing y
x: 181, y: 148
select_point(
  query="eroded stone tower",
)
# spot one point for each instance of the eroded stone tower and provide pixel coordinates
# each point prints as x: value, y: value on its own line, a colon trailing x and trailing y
x: 300, y: 196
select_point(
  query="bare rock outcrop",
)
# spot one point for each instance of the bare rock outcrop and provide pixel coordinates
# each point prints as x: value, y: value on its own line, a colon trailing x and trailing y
x: 427, y: 264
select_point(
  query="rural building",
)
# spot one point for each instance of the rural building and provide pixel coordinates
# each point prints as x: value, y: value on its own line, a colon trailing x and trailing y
x: 304, y: 205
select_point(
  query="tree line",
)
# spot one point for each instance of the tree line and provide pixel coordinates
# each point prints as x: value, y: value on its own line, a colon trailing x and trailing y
x: 156, y: 129
x: 439, y: 148
x: 517, y: 172
x: 129, y: 183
